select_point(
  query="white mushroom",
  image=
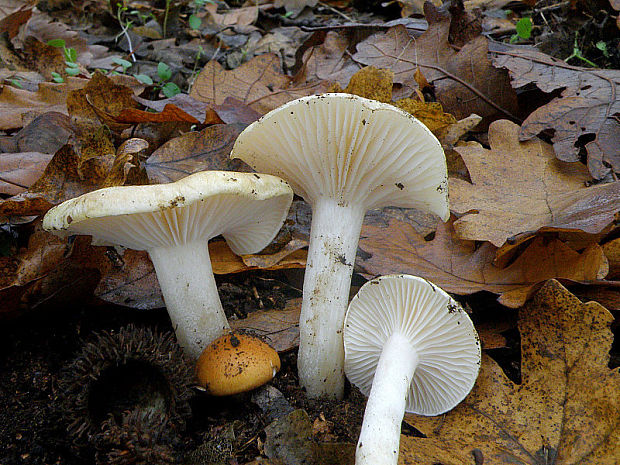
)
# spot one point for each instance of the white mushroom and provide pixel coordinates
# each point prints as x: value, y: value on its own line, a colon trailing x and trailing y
x: 413, y: 349
x: 173, y: 222
x: 344, y: 155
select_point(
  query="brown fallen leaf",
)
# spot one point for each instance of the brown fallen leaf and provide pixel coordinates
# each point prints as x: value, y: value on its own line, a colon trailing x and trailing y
x: 279, y: 326
x: 19, y: 106
x: 18, y: 171
x: 565, y: 410
x: 462, y: 267
x: 78, y: 167
x: 14, y: 13
x: 16, y: 104
x: 585, y: 114
x: 465, y: 81
x: 519, y: 188
x: 127, y: 167
x: 258, y: 83
x: 28, y: 152
x: 236, y: 17
x: 195, y: 151
x: 129, y: 278
x: 612, y: 252
x: 328, y: 59
x: 170, y: 112
x: 100, y: 102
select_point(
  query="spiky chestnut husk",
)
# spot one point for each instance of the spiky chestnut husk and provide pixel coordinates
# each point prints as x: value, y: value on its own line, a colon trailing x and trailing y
x: 146, y: 371
x: 140, y: 438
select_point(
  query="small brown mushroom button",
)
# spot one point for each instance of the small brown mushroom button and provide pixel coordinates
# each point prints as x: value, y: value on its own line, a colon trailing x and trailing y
x: 236, y: 362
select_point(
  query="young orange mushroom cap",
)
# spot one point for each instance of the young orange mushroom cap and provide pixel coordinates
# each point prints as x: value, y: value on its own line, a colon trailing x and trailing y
x: 235, y: 363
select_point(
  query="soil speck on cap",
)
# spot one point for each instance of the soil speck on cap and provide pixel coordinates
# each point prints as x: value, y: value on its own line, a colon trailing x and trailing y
x: 400, y: 185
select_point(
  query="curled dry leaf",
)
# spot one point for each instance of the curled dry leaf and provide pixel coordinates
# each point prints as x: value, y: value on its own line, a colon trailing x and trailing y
x: 78, y: 167
x: 27, y: 153
x: 519, y: 188
x: 258, y: 83
x: 208, y: 149
x: 585, y: 114
x: 100, y: 102
x: 461, y: 267
x: 564, y: 411
x: 465, y: 81
x: 127, y: 167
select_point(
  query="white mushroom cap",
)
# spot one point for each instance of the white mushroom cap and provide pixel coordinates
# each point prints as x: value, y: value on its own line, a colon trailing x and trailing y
x: 435, y: 325
x: 173, y: 222
x: 248, y: 209
x: 351, y: 149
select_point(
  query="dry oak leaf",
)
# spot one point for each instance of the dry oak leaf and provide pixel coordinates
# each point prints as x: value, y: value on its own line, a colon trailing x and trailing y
x: 461, y: 267
x: 16, y: 103
x: 587, y: 110
x: 519, y: 188
x: 259, y: 83
x: 130, y: 280
x: 78, y: 167
x: 208, y: 149
x: 465, y: 81
x: 329, y: 60
x: 565, y: 411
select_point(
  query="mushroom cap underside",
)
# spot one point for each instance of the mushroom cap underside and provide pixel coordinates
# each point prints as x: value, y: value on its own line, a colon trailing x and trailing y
x: 437, y: 327
x: 350, y: 149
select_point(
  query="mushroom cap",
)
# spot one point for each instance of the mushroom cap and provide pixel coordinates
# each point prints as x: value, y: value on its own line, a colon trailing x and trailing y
x: 248, y: 209
x: 435, y: 324
x: 350, y: 149
x: 236, y: 362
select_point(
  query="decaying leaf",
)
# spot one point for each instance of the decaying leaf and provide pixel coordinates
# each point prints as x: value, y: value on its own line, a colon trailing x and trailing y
x: 565, y: 410
x: 465, y: 81
x: 328, y: 60
x: 459, y: 266
x: 259, y: 83
x: 585, y: 114
x: 289, y: 440
x: 519, y: 188
x: 195, y: 151
x: 100, y: 102
x: 78, y: 167
x: 17, y: 105
x: 129, y: 278
x: 279, y: 326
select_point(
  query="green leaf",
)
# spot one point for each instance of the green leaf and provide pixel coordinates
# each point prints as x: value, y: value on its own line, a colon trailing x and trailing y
x: 71, y: 54
x: 124, y: 63
x: 71, y: 65
x: 163, y: 71
x: 57, y: 77
x: 194, y: 22
x: 72, y: 71
x: 16, y: 83
x: 56, y: 43
x: 170, y: 89
x: 143, y: 78
x: 524, y: 28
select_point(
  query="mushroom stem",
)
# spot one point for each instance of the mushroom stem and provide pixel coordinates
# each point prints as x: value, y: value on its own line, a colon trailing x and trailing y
x: 379, y: 439
x: 186, y: 279
x: 334, y: 236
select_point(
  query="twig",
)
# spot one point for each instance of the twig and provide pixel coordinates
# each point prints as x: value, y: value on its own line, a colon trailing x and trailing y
x: 457, y: 79
x: 331, y: 8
